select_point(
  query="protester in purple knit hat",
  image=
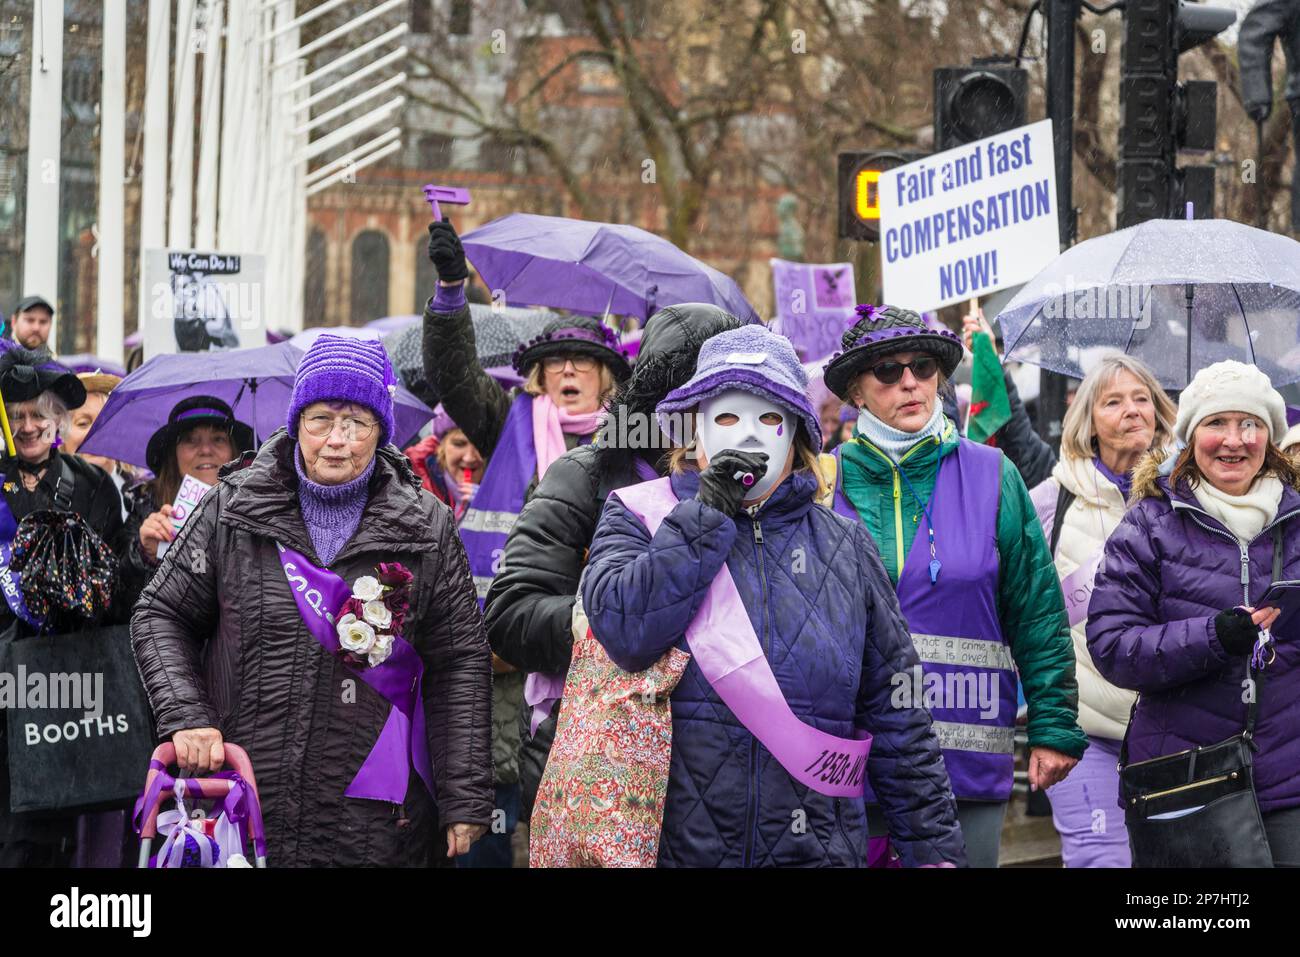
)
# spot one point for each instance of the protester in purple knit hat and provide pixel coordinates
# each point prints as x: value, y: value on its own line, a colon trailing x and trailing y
x: 356, y: 579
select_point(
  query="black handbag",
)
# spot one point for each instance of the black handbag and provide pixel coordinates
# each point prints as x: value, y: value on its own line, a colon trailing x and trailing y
x: 1198, y: 808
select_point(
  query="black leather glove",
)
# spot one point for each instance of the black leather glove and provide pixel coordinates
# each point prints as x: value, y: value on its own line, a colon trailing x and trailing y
x: 446, y: 253
x: 719, y: 486
x: 1235, y: 631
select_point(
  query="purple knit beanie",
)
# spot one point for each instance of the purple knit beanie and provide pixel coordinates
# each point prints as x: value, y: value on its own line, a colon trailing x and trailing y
x: 343, y: 369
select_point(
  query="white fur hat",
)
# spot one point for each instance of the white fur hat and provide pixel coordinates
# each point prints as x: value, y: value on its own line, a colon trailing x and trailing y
x: 1230, y: 386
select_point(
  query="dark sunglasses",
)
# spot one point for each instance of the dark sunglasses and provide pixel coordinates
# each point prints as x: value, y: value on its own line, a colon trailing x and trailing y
x: 890, y: 372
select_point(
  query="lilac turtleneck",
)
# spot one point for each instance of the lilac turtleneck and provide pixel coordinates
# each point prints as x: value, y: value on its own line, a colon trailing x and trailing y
x: 1123, y: 482
x: 331, y: 512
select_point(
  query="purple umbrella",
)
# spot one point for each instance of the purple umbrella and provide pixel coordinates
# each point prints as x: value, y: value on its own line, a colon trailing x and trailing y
x: 594, y: 268
x: 256, y: 383
x: 136, y: 338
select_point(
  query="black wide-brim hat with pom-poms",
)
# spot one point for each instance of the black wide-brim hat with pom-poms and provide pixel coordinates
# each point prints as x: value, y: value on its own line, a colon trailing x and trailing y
x: 881, y: 330
x: 570, y: 335
x: 25, y: 374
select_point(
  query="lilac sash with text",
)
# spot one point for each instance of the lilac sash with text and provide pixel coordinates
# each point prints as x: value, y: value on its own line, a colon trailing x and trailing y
x: 385, y: 774
x: 1077, y: 587
x: 727, y: 651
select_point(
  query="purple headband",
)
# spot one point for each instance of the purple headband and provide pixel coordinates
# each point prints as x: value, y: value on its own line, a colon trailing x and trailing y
x: 202, y: 414
x: 880, y: 335
x: 606, y: 338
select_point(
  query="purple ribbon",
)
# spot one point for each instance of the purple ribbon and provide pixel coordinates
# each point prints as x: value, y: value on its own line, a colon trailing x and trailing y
x: 727, y: 652
x: 403, y: 742
x: 541, y: 691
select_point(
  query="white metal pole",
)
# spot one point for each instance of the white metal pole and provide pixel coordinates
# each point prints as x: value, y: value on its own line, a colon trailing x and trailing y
x: 44, y: 131
x: 360, y: 163
x: 110, y: 318
x: 306, y: 18
x: 349, y: 130
x: 180, y: 221
x: 321, y: 172
x: 328, y: 38
x: 365, y: 71
x: 205, y: 215
x: 339, y: 62
x: 153, y: 172
x: 378, y: 89
x: 234, y: 125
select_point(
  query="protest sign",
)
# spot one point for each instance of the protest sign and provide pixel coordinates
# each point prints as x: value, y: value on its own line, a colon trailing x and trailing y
x: 970, y: 220
x: 203, y: 301
x: 187, y: 499
x: 814, y: 302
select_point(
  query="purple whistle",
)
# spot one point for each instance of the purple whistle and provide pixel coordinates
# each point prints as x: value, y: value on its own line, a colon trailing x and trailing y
x: 444, y: 194
x: 745, y: 478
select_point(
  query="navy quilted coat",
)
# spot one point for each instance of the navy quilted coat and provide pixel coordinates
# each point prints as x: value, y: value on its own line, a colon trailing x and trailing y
x: 829, y: 622
x: 1165, y: 576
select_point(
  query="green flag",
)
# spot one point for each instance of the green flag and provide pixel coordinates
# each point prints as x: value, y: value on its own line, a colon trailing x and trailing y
x: 990, y: 409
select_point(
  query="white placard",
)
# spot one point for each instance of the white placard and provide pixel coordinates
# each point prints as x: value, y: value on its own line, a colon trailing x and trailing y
x: 203, y: 301
x: 969, y: 221
x: 188, y: 497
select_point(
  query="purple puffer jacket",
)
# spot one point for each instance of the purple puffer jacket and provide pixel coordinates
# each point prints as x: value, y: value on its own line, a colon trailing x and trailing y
x: 1169, y: 568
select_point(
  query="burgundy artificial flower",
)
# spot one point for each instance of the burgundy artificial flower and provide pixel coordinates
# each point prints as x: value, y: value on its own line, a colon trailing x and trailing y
x: 394, y: 575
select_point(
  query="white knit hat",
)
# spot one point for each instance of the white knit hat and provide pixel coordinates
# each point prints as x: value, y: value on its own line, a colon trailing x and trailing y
x: 1230, y: 386
x: 1291, y: 438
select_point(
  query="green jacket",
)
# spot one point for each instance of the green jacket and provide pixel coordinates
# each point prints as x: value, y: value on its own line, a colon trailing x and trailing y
x: 1029, y: 601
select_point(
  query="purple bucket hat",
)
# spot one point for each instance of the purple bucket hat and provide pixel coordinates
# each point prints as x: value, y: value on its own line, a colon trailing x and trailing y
x: 751, y: 358
x: 880, y: 330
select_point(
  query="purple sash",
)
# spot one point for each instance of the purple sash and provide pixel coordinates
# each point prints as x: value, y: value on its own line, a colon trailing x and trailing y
x: 486, y: 524
x: 10, y: 579
x: 403, y: 742
x: 727, y: 652
x: 1077, y: 587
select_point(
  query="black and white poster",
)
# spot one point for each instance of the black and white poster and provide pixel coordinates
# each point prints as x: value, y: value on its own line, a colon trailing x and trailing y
x: 203, y: 301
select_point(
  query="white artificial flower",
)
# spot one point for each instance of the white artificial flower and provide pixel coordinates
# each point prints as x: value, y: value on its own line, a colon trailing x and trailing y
x: 367, y: 588
x: 355, y: 636
x: 377, y: 614
x: 380, y: 650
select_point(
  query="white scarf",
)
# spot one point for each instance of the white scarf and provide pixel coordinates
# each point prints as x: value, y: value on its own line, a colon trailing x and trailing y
x: 894, y: 442
x: 1243, y: 515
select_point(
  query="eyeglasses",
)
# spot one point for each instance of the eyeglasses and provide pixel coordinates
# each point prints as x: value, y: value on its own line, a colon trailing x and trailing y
x: 580, y: 363
x: 354, y: 429
x: 890, y: 372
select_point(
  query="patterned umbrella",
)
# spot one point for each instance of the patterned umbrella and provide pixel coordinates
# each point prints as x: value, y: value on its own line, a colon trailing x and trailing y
x: 497, y: 333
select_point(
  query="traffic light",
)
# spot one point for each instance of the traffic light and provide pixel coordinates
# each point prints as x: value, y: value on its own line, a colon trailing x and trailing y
x: 973, y: 102
x: 1159, y: 115
x: 859, y: 178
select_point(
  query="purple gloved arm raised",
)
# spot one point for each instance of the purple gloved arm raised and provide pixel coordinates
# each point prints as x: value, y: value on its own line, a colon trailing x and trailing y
x: 448, y: 298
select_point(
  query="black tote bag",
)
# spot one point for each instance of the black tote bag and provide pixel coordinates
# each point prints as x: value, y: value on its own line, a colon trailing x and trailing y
x: 64, y: 759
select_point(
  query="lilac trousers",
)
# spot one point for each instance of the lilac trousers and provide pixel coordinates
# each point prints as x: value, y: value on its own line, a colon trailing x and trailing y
x: 1086, y: 811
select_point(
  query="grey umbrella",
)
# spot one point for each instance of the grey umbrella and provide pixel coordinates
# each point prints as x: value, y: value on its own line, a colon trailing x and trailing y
x: 498, y: 332
x: 1177, y: 294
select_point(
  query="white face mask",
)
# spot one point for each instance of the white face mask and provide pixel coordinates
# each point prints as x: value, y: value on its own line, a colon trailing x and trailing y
x: 749, y: 424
